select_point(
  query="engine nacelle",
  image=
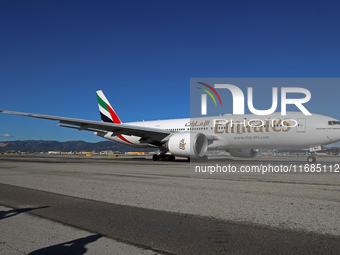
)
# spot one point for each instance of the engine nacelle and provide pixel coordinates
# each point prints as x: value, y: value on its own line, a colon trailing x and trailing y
x: 243, y: 153
x: 188, y: 144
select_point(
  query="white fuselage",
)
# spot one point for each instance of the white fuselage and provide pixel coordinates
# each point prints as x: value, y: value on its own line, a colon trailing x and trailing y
x: 294, y: 130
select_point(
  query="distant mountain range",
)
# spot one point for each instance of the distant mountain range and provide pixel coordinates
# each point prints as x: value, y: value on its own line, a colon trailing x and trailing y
x: 76, y: 146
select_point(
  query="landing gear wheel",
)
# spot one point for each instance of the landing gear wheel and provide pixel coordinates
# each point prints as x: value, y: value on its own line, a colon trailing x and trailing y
x: 163, y: 157
x: 155, y: 157
x: 311, y: 159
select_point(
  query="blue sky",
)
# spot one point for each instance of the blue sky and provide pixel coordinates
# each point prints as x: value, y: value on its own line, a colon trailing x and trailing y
x: 56, y: 54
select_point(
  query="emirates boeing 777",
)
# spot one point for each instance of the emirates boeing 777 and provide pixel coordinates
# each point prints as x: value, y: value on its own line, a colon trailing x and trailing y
x: 240, y: 135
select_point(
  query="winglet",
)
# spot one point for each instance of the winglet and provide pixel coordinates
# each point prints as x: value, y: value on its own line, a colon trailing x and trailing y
x: 106, y: 111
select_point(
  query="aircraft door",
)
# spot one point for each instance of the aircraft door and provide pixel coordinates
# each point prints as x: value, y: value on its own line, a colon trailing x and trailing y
x: 301, y: 125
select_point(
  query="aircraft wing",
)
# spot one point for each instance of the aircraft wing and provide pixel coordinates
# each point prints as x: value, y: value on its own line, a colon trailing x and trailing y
x: 148, y: 134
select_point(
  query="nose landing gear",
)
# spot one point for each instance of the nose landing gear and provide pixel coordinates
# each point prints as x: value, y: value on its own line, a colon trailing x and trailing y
x: 311, y: 158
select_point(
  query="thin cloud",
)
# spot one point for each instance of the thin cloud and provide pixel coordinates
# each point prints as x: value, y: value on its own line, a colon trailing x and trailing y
x: 6, y: 135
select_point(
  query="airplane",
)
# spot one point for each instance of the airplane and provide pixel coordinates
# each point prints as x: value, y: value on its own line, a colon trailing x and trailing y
x: 240, y: 135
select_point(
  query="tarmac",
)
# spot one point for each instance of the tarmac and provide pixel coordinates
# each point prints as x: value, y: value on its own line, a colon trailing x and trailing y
x: 83, y: 205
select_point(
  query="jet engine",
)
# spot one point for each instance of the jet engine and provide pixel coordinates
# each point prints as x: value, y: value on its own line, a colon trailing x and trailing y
x: 243, y: 153
x: 188, y: 144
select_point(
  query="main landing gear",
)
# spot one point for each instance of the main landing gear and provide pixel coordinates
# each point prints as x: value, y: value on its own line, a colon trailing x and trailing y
x: 163, y: 157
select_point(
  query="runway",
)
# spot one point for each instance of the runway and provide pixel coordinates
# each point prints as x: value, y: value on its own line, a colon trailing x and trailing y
x: 156, y: 207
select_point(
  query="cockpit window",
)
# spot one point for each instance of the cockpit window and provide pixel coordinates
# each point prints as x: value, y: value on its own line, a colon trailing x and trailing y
x: 332, y: 122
